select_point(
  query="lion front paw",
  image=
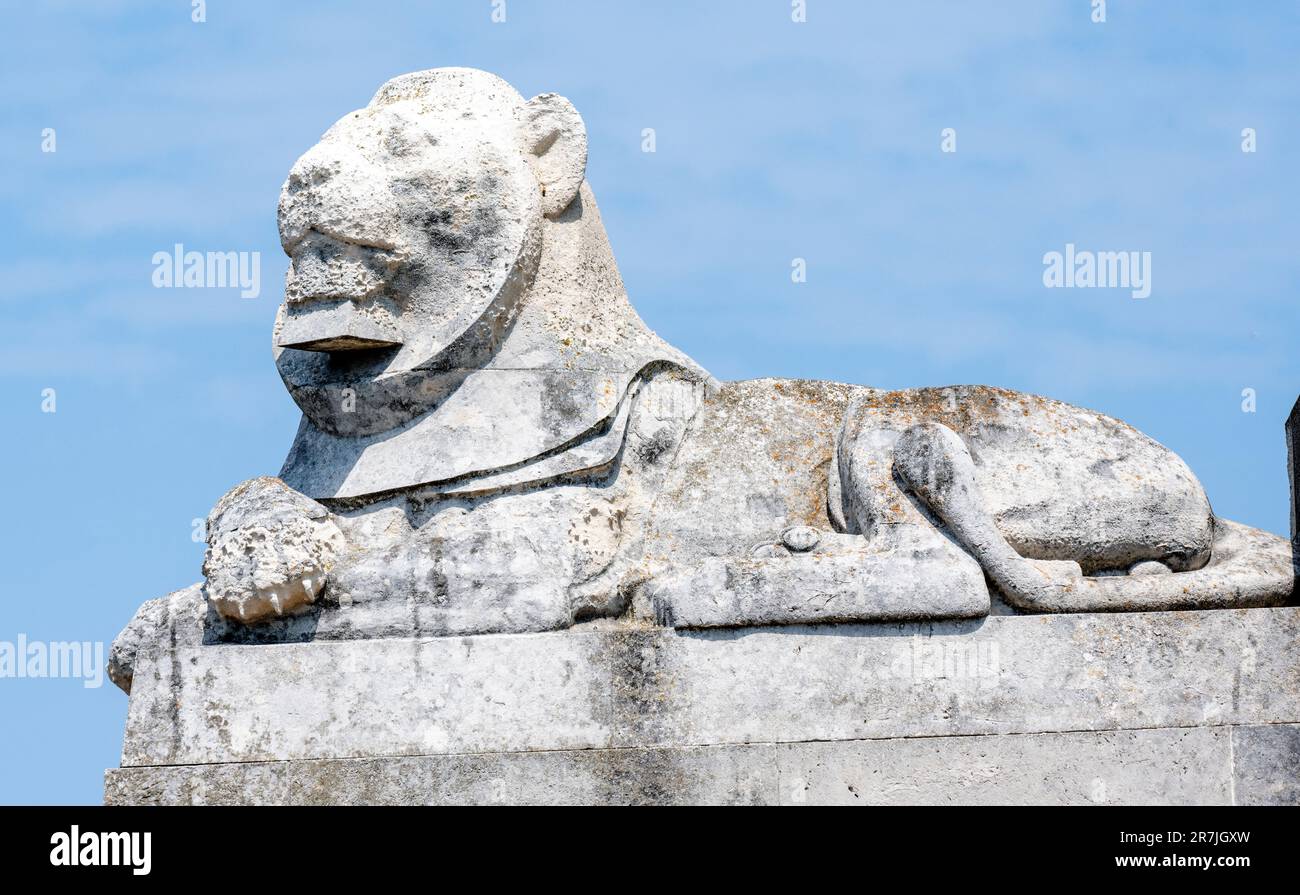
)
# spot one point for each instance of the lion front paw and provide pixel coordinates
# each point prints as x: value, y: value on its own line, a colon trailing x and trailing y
x: 270, y: 550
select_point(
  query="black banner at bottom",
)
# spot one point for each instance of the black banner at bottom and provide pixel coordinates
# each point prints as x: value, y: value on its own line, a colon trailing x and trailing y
x: 335, y: 844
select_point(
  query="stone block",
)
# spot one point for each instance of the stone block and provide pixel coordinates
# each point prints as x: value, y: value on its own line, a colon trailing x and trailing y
x: 591, y: 689
x: 1191, y: 766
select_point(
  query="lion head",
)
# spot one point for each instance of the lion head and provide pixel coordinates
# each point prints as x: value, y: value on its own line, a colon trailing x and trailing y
x: 451, y: 304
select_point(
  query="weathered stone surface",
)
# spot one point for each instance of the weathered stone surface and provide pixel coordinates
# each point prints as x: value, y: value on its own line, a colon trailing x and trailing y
x: 1166, y: 766
x: 454, y: 290
x: 269, y: 551
x: 1266, y: 763
x: 603, y: 689
x: 1293, y: 471
x: 1048, y: 492
x: 852, y: 579
x: 493, y: 443
x: 149, y: 624
x: 585, y: 777
x: 499, y: 444
x: 1150, y: 567
x: 1182, y: 766
x: 1247, y: 567
x: 1059, y: 482
x: 181, y: 618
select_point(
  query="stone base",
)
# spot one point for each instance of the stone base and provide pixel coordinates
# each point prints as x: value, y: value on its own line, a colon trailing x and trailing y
x: 1132, y: 708
x: 1164, y: 766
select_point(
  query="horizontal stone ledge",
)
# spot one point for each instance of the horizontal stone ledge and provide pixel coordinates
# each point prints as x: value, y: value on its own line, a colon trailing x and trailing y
x: 1170, y: 766
x: 587, y: 689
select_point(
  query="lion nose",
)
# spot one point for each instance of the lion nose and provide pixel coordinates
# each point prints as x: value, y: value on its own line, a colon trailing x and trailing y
x: 329, y: 293
x: 330, y: 189
x: 324, y: 267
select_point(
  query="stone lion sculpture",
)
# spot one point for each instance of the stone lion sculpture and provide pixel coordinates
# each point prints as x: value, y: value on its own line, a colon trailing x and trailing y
x: 493, y: 441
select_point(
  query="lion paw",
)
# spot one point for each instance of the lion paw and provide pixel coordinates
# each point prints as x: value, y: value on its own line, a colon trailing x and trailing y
x: 270, y: 550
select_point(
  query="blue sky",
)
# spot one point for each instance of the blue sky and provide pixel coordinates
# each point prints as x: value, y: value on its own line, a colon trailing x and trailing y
x: 775, y: 141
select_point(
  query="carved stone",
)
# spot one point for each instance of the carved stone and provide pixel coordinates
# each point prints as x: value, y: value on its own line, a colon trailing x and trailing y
x: 1293, y: 469
x: 493, y: 442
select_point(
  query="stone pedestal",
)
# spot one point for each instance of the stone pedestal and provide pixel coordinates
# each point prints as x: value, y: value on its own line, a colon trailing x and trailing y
x: 1293, y: 470
x: 1170, y: 707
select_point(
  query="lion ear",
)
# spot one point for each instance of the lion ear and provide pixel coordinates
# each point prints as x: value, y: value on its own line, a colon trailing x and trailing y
x: 555, y: 139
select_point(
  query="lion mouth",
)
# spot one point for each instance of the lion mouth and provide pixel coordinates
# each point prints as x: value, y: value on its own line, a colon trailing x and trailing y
x: 341, y: 342
x: 337, y: 325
